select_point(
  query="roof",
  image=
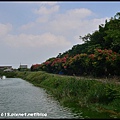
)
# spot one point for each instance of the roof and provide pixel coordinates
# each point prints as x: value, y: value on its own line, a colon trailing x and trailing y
x: 3, y: 67
x: 7, y: 70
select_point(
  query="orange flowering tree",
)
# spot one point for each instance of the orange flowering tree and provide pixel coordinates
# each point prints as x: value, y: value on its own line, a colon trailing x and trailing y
x: 100, y: 63
x: 105, y: 62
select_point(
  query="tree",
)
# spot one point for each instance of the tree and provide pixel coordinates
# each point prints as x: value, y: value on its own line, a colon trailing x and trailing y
x: 113, y: 33
x: 117, y: 16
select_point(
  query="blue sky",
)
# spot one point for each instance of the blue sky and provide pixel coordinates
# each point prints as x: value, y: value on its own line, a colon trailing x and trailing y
x: 32, y: 32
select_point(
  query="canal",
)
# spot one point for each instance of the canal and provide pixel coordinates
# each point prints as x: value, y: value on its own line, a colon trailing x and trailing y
x: 21, y: 99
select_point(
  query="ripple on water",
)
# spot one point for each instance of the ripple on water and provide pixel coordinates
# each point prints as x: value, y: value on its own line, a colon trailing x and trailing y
x: 21, y: 97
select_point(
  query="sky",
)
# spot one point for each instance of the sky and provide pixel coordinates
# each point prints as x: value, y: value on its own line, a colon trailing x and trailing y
x: 33, y: 31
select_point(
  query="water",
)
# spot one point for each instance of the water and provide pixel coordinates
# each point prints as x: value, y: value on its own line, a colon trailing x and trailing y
x: 20, y: 99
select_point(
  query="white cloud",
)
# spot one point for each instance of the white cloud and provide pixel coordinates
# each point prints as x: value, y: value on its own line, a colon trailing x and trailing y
x: 71, y: 21
x: 5, y: 28
x: 43, y: 10
x: 89, y: 26
x: 42, y: 19
x: 74, y: 21
x: 60, y: 23
x: 47, y: 40
x: 79, y: 13
x: 69, y: 24
x: 27, y: 26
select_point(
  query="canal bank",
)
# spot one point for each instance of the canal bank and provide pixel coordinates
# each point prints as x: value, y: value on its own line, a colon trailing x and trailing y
x: 85, y: 97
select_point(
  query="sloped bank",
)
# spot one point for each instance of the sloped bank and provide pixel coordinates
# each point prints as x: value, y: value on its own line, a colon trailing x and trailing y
x: 85, y: 97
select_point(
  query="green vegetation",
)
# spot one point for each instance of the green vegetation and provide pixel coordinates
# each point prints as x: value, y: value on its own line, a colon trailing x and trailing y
x: 98, y: 56
x: 94, y: 98
x: 8, y: 74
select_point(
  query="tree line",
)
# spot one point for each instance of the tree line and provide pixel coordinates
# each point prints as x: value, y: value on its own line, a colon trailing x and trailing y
x: 99, y: 55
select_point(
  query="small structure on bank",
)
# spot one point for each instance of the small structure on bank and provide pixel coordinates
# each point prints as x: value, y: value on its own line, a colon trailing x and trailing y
x: 5, y: 67
x: 23, y: 67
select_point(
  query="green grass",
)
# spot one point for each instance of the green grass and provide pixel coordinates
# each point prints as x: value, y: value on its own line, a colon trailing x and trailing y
x: 95, y: 99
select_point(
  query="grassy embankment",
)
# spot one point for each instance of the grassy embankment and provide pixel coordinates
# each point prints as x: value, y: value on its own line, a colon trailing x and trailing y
x: 89, y: 97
